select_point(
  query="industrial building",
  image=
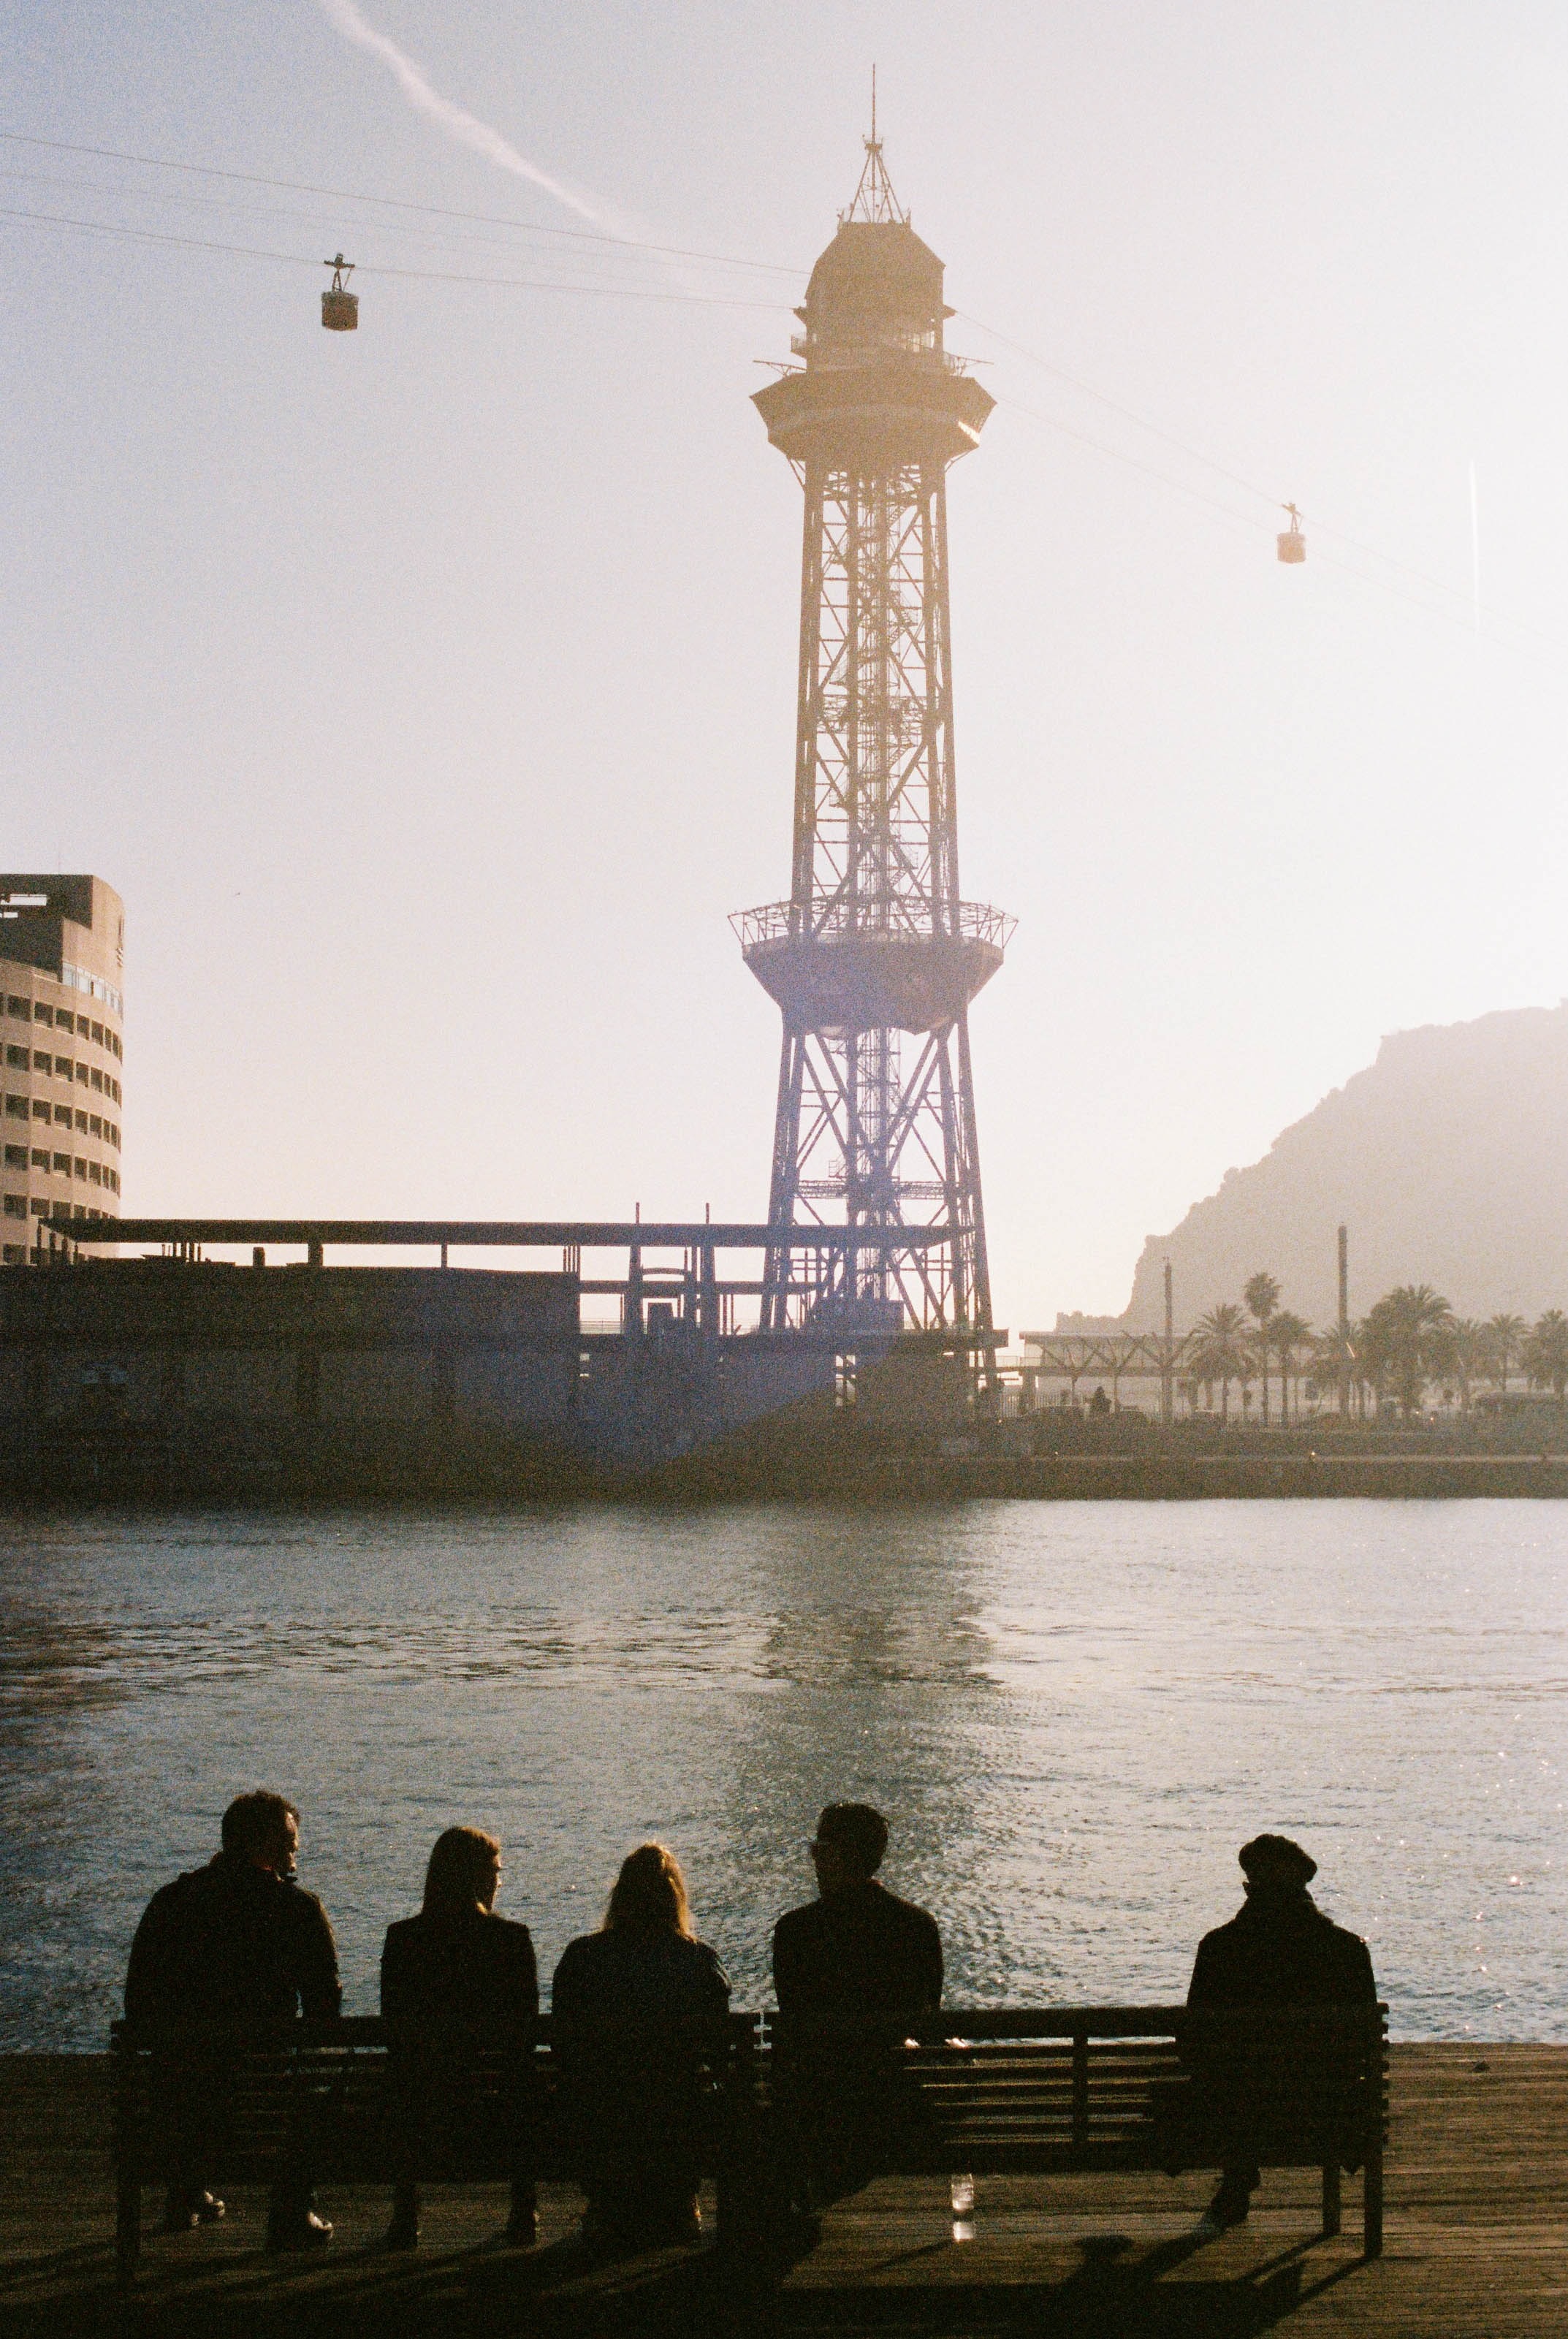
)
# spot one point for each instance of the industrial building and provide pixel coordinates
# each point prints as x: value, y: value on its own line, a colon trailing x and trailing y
x: 62, y: 993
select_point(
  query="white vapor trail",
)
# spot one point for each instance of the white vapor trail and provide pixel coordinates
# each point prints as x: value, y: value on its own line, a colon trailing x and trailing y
x: 457, y: 122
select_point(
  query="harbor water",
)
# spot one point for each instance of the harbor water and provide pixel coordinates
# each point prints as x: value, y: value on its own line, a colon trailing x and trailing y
x: 1072, y: 1713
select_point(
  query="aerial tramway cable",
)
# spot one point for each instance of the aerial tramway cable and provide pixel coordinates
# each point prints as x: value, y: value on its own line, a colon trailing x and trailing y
x: 1290, y: 543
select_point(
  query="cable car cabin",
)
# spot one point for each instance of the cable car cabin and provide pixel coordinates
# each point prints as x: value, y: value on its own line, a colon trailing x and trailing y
x: 340, y: 307
x: 1291, y: 544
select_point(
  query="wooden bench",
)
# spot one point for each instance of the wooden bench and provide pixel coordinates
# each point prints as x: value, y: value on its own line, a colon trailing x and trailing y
x: 1073, y: 2089
x: 327, y: 2103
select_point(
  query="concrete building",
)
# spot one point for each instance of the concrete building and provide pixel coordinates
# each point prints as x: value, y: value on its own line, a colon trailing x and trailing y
x: 61, y: 1018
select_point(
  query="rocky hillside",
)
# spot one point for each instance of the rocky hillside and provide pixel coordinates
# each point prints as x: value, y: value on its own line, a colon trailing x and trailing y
x: 1448, y: 1160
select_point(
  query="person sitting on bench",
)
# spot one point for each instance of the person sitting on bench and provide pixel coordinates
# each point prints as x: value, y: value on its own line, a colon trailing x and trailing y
x: 856, y: 1950
x: 630, y: 2086
x: 235, y: 1941
x: 455, y: 1978
x: 1279, y: 1951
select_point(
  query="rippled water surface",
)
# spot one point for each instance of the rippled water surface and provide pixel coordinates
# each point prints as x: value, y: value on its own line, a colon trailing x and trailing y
x: 1075, y: 1712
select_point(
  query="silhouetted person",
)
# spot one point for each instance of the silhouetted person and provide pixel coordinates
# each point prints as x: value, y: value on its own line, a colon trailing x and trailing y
x: 459, y: 1982
x: 857, y: 1950
x: 618, y: 2002
x: 236, y: 1941
x: 1279, y: 1951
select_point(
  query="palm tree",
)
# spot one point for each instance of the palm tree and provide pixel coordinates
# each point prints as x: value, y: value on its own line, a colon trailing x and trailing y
x: 1468, y: 1351
x: 1262, y: 1294
x: 1400, y: 1328
x: 1504, y: 1341
x: 1335, y: 1364
x: 1221, y: 1351
x: 1545, y: 1356
x: 1288, y: 1332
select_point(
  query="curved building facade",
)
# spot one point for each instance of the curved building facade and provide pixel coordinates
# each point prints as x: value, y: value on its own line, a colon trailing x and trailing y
x: 62, y: 1053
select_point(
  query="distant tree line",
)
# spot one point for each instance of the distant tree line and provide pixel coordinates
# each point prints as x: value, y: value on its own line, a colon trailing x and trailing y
x: 1408, y: 1342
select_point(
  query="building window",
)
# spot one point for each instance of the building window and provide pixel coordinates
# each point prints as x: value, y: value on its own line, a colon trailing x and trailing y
x: 81, y: 1169
x: 18, y: 1059
x: 41, y: 1062
x: 64, y: 1068
x: 40, y: 1109
x: 40, y: 1209
x: 113, y: 1179
x: 14, y: 1006
x: 96, y: 1125
x: 15, y: 1206
x: 113, y: 1088
x: 113, y: 1134
x: 95, y: 1174
x: 82, y: 1074
x: 40, y: 1158
x: 62, y: 1115
x: 14, y: 1254
x: 97, y: 1080
x: 42, y: 1014
x: 115, y: 1044
x: 17, y: 1108
x: 82, y: 1122
x: 15, y: 1157
x: 97, y: 1032
x: 84, y: 1028
x: 61, y: 1165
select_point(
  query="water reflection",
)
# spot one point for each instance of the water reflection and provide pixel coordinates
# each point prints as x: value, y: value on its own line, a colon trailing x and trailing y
x: 1073, y: 1713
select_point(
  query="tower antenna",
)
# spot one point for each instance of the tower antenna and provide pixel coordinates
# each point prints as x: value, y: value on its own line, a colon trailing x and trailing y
x: 873, y: 198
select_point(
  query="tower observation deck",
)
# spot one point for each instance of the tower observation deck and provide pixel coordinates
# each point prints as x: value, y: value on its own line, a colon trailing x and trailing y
x: 874, y: 957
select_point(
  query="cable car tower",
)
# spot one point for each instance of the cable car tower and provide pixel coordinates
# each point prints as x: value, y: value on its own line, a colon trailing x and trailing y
x: 874, y: 958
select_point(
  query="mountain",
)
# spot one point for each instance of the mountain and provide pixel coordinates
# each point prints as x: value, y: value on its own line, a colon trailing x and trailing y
x: 1447, y: 1158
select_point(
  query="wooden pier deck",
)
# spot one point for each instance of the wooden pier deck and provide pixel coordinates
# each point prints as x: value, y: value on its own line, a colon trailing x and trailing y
x: 1477, y: 2243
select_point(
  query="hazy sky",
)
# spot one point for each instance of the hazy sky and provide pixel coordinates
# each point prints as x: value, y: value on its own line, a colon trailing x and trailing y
x: 429, y: 693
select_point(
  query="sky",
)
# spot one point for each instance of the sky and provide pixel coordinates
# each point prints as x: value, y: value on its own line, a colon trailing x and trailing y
x: 428, y: 691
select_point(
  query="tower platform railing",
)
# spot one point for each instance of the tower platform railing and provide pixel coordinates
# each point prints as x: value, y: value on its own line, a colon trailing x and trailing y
x: 830, y: 921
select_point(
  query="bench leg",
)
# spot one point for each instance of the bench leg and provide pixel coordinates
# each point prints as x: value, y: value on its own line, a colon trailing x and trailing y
x: 1331, y: 2197
x: 1372, y: 2202
x: 403, y: 2233
x: 127, y: 2226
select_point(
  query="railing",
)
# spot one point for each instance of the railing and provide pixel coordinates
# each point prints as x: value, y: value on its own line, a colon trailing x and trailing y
x: 822, y: 354
x: 833, y: 922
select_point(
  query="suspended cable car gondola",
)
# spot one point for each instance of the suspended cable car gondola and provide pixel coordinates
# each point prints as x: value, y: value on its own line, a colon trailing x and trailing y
x: 1291, y: 544
x: 340, y: 307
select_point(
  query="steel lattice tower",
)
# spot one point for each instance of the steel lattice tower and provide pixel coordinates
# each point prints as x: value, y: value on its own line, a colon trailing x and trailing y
x: 874, y: 958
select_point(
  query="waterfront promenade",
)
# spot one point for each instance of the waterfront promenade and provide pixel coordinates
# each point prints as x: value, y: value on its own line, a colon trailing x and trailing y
x: 1478, y: 2242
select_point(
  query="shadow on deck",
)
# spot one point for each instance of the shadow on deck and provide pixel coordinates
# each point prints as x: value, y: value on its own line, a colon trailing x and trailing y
x: 1478, y: 2245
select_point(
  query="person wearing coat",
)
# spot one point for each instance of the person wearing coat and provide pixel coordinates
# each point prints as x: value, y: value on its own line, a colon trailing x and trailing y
x: 1279, y: 1951
x: 235, y: 1941
x: 621, y: 2004
x: 459, y: 1982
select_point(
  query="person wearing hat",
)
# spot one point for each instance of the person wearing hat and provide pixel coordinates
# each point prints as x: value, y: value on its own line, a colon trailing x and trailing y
x: 1280, y: 1950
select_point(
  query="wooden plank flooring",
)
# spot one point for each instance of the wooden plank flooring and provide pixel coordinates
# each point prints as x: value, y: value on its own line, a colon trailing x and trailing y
x: 1477, y: 2243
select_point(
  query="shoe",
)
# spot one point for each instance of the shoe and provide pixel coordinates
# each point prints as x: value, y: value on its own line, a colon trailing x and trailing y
x: 307, y: 2233
x: 183, y: 2212
x: 1226, y: 2209
x: 522, y: 2229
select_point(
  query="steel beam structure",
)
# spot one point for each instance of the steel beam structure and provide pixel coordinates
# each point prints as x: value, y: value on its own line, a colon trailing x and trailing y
x: 874, y: 958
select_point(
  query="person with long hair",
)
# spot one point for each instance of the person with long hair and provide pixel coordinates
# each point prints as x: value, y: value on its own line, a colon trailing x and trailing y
x: 459, y: 1988
x: 628, y: 2004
